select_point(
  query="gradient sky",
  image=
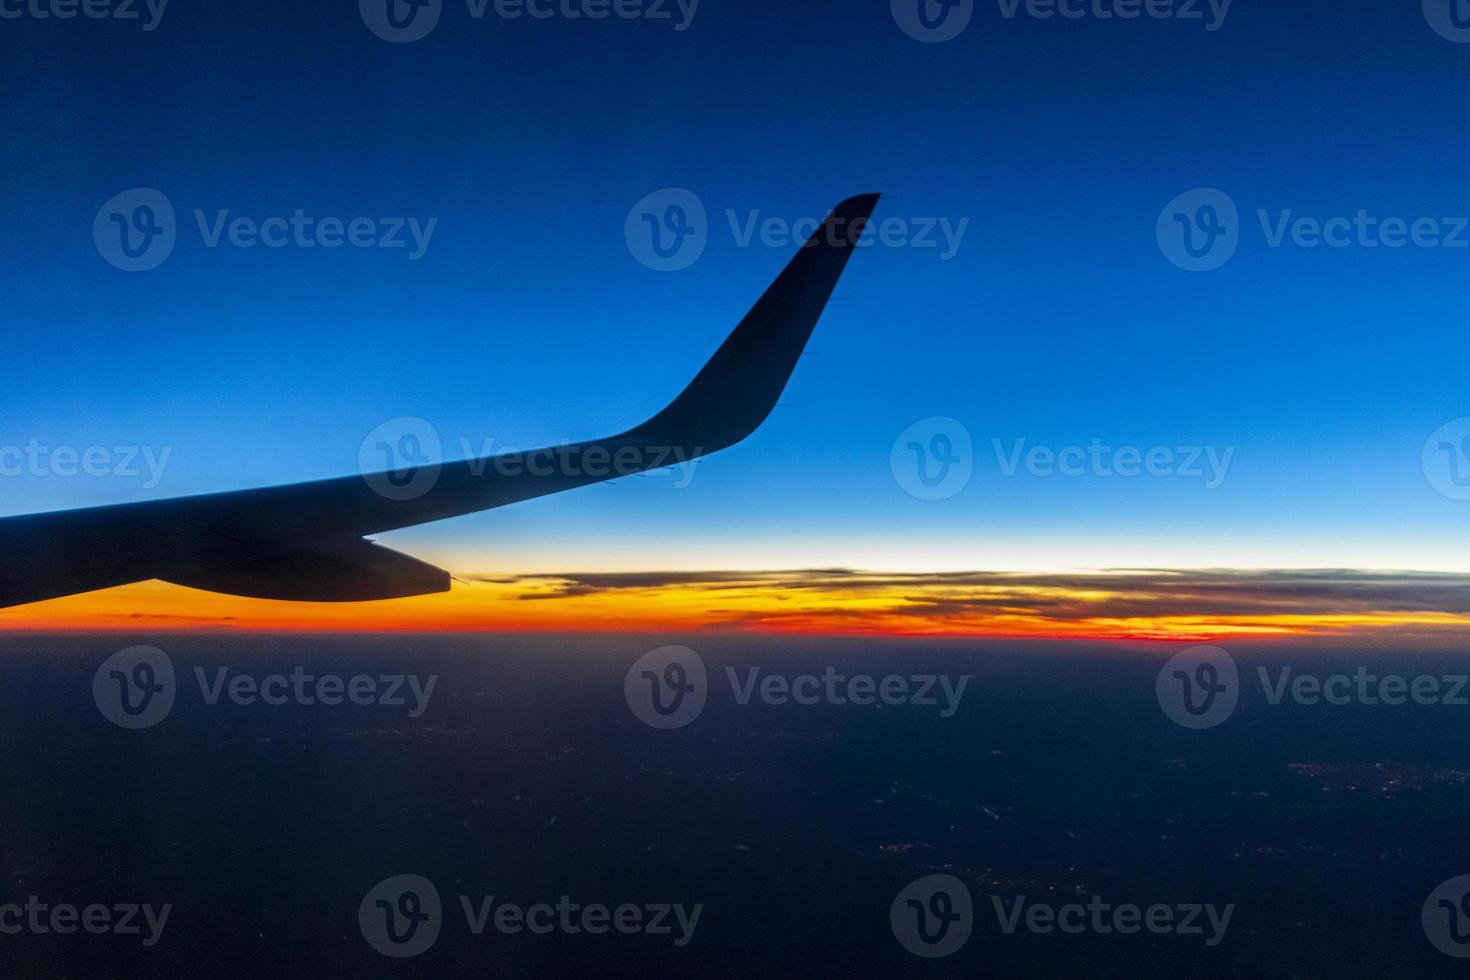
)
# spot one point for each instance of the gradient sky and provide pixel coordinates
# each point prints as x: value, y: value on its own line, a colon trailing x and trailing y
x: 528, y: 321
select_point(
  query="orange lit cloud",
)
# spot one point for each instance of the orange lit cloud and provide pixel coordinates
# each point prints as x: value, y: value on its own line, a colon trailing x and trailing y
x: 1184, y: 605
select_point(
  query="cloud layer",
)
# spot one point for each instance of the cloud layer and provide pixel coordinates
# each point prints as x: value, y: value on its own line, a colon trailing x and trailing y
x: 1135, y: 602
x: 1131, y: 603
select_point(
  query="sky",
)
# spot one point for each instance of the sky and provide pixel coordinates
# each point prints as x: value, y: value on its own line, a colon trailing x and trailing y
x: 1293, y: 389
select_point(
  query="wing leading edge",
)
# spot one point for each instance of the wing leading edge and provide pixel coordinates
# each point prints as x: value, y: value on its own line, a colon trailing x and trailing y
x: 305, y: 541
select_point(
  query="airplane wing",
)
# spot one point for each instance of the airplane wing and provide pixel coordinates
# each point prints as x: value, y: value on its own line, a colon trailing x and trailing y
x: 306, y: 541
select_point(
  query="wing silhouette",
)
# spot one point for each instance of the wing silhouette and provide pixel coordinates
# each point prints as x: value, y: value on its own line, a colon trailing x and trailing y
x: 305, y: 541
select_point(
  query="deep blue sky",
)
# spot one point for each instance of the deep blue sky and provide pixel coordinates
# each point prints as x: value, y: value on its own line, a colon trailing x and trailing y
x: 528, y: 321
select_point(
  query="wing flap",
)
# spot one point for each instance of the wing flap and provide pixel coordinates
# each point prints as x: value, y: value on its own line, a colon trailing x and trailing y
x: 353, y: 572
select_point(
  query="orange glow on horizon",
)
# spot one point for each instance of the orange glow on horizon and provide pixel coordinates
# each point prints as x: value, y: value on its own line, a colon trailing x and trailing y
x: 767, y: 603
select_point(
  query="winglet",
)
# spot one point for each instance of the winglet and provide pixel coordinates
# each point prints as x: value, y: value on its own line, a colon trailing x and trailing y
x: 736, y: 390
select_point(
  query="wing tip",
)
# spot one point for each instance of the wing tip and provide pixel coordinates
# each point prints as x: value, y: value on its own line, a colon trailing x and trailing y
x: 858, y: 206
